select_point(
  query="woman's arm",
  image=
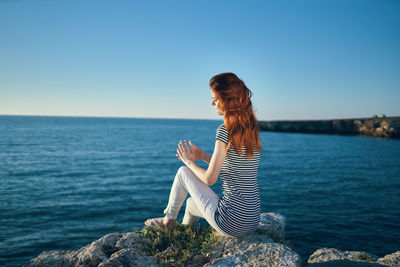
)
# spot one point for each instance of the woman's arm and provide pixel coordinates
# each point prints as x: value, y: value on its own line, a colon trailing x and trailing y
x: 198, y: 153
x: 216, y: 161
x: 204, y: 156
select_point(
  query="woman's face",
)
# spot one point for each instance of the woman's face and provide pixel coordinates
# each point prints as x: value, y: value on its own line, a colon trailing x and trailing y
x: 215, y: 103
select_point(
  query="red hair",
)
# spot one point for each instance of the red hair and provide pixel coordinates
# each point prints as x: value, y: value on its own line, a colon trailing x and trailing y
x: 239, y: 119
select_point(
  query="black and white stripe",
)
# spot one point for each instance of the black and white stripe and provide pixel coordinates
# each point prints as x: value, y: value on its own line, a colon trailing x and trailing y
x: 239, y: 207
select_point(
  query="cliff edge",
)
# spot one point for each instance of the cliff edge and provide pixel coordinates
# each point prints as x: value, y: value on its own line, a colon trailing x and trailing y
x: 387, y: 127
x: 265, y: 247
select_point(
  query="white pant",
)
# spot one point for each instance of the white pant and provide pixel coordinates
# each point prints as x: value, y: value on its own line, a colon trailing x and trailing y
x: 202, y: 203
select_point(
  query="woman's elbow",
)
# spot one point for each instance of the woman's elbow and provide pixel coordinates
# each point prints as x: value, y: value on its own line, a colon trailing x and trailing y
x: 211, y: 180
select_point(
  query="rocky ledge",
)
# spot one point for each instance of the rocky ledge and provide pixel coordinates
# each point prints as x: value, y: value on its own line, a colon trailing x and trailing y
x: 266, y: 247
x: 334, y: 257
x: 387, y: 127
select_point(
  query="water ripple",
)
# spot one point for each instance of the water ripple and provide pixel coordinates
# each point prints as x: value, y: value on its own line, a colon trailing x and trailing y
x: 65, y: 182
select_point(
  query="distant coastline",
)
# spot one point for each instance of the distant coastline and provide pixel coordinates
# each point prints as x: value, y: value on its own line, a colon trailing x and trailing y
x: 386, y: 127
x: 382, y: 126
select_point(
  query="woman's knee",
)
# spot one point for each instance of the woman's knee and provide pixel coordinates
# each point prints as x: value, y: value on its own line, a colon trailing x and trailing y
x: 183, y: 170
x: 181, y: 175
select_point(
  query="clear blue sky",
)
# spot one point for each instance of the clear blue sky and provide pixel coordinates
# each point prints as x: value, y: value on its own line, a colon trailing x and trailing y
x: 302, y: 59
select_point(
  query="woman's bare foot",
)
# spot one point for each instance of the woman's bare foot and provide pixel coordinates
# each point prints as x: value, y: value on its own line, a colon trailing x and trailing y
x: 168, y: 223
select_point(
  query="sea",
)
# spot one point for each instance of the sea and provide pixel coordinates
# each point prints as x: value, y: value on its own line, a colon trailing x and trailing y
x: 67, y: 181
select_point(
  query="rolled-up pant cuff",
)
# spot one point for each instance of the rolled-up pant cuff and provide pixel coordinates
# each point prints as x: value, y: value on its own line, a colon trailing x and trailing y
x: 170, y: 213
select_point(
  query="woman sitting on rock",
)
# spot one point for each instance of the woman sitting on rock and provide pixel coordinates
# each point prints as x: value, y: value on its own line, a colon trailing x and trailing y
x: 235, y: 158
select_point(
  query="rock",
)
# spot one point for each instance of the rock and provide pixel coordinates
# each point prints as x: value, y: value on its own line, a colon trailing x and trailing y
x: 115, y: 249
x: 129, y: 257
x: 131, y: 241
x: 328, y: 254
x: 391, y: 259
x: 258, y: 249
x: 333, y: 257
x: 265, y: 247
x: 256, y: 254
x: 56, y: 258
x: 198, y: 260
x: 274, y: 225
x: 345, y: 263
x: 386, y: 127
x: 98, y: 251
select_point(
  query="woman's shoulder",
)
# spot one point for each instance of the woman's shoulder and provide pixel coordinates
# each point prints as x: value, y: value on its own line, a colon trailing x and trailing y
x: 222, y: 133
x: 222, y: 127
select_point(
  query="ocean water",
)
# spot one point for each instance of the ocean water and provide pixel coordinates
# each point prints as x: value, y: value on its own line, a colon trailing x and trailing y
x: 67, y: 181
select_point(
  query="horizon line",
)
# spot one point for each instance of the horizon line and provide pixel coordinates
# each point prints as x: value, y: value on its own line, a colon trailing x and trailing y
x: 121, y: 117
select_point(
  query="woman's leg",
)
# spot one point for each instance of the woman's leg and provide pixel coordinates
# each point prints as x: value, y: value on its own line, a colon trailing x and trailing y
x: 203, y: 196
x: 186, y: 182
x: 192, y: 212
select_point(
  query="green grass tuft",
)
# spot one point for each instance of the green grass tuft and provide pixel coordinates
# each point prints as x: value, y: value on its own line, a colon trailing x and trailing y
x: 362, y: 257
x: 179, y: 246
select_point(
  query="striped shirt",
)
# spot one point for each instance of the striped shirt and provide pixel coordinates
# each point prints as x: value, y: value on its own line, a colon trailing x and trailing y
x: 238, y: 210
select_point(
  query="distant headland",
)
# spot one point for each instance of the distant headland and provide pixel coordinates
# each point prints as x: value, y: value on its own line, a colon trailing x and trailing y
x: 376, y: 126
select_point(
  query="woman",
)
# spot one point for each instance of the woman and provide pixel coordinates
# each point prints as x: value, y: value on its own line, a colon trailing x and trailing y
x: 235, y: 158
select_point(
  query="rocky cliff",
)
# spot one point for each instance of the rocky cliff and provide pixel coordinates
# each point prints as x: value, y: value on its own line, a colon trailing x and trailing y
x: 388, y: 127
x: 266, y: 247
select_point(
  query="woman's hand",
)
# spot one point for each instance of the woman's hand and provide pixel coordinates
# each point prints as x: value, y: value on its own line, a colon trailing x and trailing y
x: 197, y: 152
x: 186, y: 154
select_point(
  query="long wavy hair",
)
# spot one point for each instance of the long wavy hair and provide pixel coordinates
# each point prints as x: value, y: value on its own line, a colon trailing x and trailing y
x: 239, y: 119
